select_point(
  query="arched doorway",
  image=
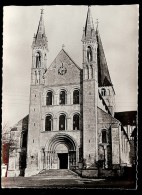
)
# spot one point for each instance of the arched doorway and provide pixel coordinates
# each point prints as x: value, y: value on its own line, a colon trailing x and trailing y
x: 60, y: 153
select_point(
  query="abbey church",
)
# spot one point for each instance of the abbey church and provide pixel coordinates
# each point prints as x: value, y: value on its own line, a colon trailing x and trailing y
x: 71, y: 123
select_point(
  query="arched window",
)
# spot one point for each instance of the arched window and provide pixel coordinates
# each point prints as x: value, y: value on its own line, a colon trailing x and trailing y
x: 38, y: 59
x: 76, y: 122
x: 103, y: 92
x: 76, y: 97
x: 48, y: 123
x: 49, y: 98
x: 89, y: 54
x: 62, y: 97
x: 104, y: 136
x: 62, y: 122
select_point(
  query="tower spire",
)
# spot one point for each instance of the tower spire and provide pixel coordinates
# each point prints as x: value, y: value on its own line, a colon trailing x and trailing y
x: 41, y: 28
x: 40, y: 39
x: 89, y: 32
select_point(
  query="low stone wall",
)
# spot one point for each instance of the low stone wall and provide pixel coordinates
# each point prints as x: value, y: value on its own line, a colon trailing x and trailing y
x: 31, y: 172
x: 90, y: 173
x: 94, y: 173
x: 104, y: 173
x: 13, y: 173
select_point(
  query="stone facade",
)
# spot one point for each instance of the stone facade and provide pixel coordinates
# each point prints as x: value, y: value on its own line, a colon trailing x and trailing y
x: 71, y: 110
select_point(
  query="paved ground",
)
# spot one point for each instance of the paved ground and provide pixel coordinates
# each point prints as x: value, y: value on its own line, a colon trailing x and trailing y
x: 38, y: 182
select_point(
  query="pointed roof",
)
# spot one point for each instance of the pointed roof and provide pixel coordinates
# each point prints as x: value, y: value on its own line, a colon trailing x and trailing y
x: 62, y: 52
x: 89, y: 31
x: 103, y: 72
x: 41, y: 28
x: 40, y: 38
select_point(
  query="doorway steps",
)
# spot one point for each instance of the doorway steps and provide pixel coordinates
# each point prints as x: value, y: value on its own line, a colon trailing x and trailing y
x: 57, y: 173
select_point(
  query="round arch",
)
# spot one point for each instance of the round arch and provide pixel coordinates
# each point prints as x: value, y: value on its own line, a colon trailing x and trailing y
x: 65, y: 139
x: 44, y: 95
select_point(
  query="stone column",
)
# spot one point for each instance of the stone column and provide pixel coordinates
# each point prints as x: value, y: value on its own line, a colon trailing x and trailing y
x: 42, y: 124
x: 41, y: 159
x: 71, y: 97
x: 105, y: 154
x: 77, y: 155
x: 55, y: 124
x: 57, y: 98
x: 68, y: 98
x: 45, y: 161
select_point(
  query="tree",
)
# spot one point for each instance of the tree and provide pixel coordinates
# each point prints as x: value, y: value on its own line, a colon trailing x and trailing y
x: 8, y: 142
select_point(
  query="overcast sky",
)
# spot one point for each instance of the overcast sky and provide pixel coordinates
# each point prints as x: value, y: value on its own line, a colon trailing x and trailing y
x: 118, y: 26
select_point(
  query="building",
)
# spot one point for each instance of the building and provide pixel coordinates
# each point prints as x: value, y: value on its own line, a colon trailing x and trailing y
x: 129, y: 122
x: 71, y: 112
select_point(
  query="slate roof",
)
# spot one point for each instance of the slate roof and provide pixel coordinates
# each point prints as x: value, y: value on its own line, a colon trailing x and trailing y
x: 103, y: 72
x: 89, y: 34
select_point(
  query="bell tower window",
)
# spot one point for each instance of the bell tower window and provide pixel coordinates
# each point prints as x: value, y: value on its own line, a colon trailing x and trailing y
x: 89, y: 54
x: 38, y: 60
x: 103, y: 92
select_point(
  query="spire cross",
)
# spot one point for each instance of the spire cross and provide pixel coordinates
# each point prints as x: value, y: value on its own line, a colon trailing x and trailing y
x: 42, y: 11
x: 63, y: 46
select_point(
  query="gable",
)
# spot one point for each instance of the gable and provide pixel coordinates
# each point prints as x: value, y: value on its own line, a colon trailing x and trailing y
x: 62, y: 71
x: 21, y: 125
x: 104, y: 117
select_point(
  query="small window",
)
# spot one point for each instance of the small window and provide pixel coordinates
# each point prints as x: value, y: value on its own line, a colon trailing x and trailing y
x: 49, y: 98
x: 48, y: 123
x: 103, y: 92
x: 62, y: 122
x: 104, y: 136
x: 108, y: 92
x: 62, y: 97
x: 76, y: 122
x: 76, y: 97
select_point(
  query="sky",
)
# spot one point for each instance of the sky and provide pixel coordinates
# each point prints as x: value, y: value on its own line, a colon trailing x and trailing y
x: 118, y: 27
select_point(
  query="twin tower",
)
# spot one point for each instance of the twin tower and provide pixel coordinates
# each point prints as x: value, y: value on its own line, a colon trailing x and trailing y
x: 53, y: 108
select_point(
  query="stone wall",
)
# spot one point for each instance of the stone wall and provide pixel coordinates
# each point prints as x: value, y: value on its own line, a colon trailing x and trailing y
x: 107, y: 122
x: 89, y: 121
x: 71, y: 76
x: 15, y: 147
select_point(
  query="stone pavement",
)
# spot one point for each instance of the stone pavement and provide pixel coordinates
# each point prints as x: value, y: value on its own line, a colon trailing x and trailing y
x: 63, y: 179
x: 38, y: 182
